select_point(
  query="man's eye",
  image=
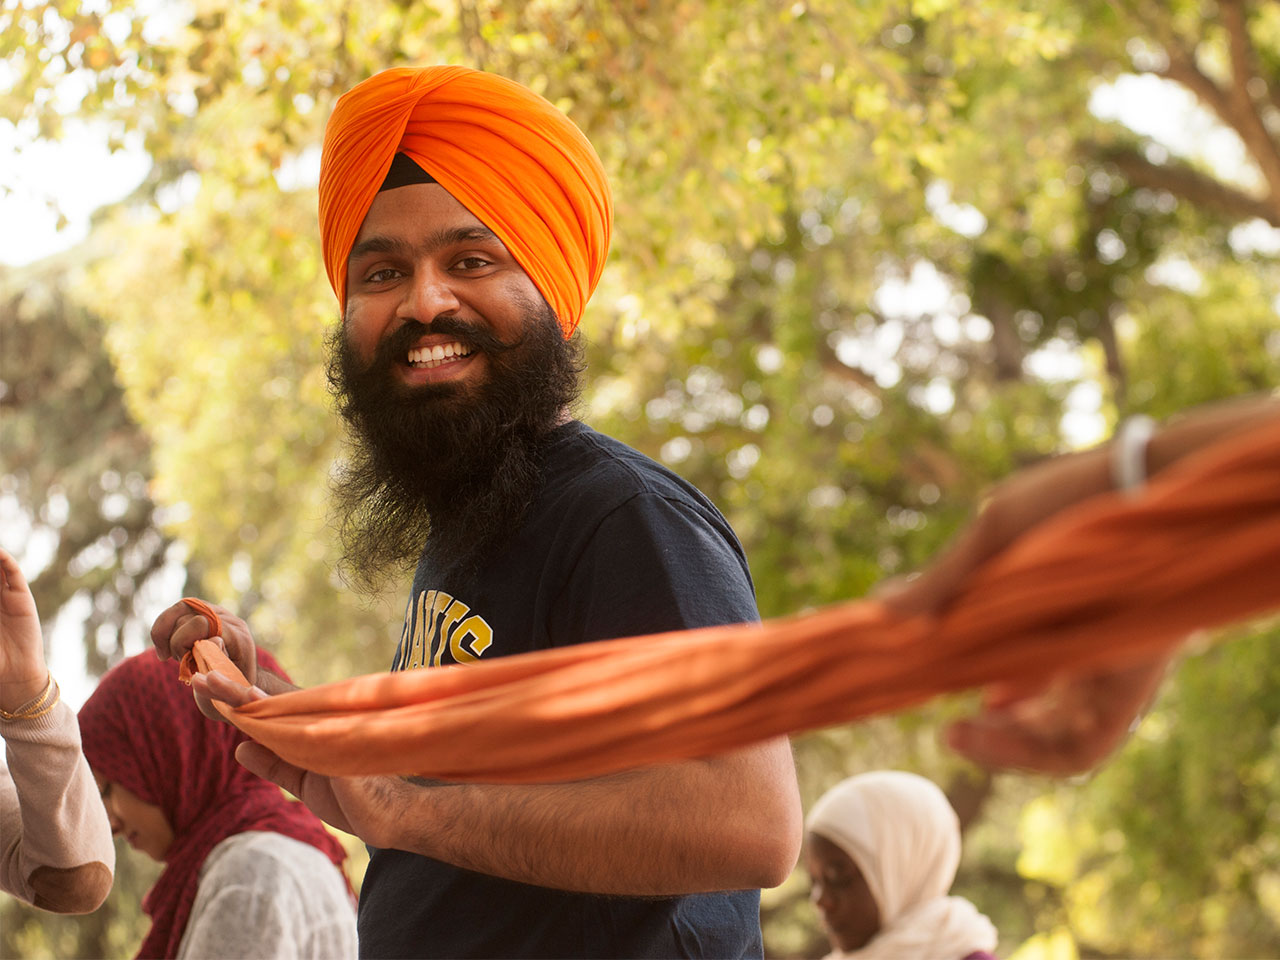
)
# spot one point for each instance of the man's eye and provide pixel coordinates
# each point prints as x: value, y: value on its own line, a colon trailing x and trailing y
x: 471, y: 263
x: 382, y: 276
x: 106, y: 791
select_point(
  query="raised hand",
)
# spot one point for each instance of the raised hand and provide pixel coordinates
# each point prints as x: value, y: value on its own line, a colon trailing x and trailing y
x: 23, y: 672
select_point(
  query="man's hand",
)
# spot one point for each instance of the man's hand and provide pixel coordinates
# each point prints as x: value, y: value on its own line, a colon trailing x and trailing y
x: 177, y: 629
x: 356, y: 805
x: 348, y: 803
x: 214, y: 686
x: 1068, y: 724
x: 1067, y: 727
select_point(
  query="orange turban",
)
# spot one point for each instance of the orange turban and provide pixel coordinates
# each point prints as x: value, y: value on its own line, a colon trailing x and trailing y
x: 517, y: 163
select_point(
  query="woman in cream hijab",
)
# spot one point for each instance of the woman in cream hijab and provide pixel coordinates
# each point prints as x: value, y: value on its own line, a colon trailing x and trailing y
x: 882, y: 850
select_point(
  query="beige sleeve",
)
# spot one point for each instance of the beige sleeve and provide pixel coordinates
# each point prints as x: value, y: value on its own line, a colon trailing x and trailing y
x: 55, y: 842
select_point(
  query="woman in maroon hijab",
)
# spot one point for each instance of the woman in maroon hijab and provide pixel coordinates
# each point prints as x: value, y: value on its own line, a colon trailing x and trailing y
x: 248, y: 872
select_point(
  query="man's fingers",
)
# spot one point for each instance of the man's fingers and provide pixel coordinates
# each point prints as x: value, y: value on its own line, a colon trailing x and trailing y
x: 217, y: 687
x: 176, y: 630
x: 162, y: 628
x: 187, y: 631
x: 1002, y: 746
x: 204, y: 702
x: 257, y: 759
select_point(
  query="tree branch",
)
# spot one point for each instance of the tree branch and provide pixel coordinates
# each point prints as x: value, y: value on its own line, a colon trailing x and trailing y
x: 1235, y: 105
x: 1191, y: 185
x: 1181, y: 67
x: 1244, y: 71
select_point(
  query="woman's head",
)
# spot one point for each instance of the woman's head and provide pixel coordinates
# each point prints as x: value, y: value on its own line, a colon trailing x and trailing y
x: 840, y: 892
x: 171, y: 785
x: 877, y: 845
x: 143, y: 824
x: 158, y: 761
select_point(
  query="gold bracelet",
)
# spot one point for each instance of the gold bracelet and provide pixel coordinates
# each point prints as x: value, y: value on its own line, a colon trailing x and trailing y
x: 36, y: 707
x: 57, y: 697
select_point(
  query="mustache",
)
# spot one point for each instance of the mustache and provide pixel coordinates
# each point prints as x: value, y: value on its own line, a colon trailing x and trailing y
x: 394, y: 348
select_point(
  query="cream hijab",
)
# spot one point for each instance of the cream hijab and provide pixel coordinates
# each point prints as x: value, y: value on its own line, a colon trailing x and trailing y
x: 903, y: 835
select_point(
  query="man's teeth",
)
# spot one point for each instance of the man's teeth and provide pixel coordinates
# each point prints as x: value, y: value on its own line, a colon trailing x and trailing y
x: 440, y: 353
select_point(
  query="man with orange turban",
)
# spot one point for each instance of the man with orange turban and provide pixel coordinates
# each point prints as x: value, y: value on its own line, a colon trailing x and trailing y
x: 465, y: 223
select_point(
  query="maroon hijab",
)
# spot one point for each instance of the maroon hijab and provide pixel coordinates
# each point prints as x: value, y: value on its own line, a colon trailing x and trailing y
x: 142, y: 729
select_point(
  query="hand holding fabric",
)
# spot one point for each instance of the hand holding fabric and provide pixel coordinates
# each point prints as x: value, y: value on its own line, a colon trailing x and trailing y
x: 190, y: 621
x: 315, y: 790
x: 347, y: 803
x: 177, y: 630
x: 1067, y: 724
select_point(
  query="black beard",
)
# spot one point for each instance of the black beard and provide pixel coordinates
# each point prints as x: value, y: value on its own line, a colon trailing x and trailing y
x: 444, y: 466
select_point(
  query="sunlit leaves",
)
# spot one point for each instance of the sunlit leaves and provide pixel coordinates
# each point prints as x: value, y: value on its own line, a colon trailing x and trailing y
x: 868, y: 258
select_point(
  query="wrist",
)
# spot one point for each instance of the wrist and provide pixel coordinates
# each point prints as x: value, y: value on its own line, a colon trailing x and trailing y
x: 1129, y: 453
x: 17, y: 693
x: 21, y: 697
x: 393, y: 806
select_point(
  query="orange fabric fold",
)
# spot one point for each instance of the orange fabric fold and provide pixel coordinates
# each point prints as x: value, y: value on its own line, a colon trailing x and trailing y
x: 506, y: 154
x: 1109, y: 582
x: 187, y: 667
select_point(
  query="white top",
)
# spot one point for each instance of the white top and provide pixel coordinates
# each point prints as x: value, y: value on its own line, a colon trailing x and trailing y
x: 265, y: 895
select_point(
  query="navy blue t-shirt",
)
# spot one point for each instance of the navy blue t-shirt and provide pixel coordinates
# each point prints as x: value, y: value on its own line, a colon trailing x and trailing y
x: 613, y: 545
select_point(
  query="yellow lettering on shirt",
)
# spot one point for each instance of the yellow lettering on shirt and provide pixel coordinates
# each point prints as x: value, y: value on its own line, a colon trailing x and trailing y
x: 436, y: 623
x: 482, y: 636
x: 437, y: 638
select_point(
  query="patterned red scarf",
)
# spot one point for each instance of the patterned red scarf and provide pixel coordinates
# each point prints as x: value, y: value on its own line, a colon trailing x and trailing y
x: 142, y: 730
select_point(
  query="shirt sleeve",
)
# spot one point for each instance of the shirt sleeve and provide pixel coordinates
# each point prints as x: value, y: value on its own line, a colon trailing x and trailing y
x: 269, y: 896
x: 654, y: 564
x: 54, y: 826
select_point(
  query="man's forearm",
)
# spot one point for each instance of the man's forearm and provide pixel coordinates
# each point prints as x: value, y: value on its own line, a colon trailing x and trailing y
x: 731, y: 822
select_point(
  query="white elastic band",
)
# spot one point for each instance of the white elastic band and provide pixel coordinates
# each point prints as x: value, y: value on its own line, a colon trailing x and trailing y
x: 1129, y: 453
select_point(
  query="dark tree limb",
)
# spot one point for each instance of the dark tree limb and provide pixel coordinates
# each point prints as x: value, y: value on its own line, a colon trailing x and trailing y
x: 1247, y: 121
x: 1187, y: 183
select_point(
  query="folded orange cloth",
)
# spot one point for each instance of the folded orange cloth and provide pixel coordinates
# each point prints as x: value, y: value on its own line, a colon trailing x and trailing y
x: 188, y: 665
x: 1109, y: 582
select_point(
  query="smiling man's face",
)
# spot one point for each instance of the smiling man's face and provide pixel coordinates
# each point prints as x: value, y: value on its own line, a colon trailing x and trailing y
x: 451, y: 370
x: 423, y: 272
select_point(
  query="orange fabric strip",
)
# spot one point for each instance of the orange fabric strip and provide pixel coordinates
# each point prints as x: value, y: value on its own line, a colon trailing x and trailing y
x: 1107, y: 583
x: 188, y: 665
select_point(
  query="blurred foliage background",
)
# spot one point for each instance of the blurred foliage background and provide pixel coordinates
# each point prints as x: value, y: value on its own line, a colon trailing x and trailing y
x: 868, y: 258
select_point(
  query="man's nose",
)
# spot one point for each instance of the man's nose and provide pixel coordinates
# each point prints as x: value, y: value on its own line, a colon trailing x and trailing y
x: 430, y: 294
